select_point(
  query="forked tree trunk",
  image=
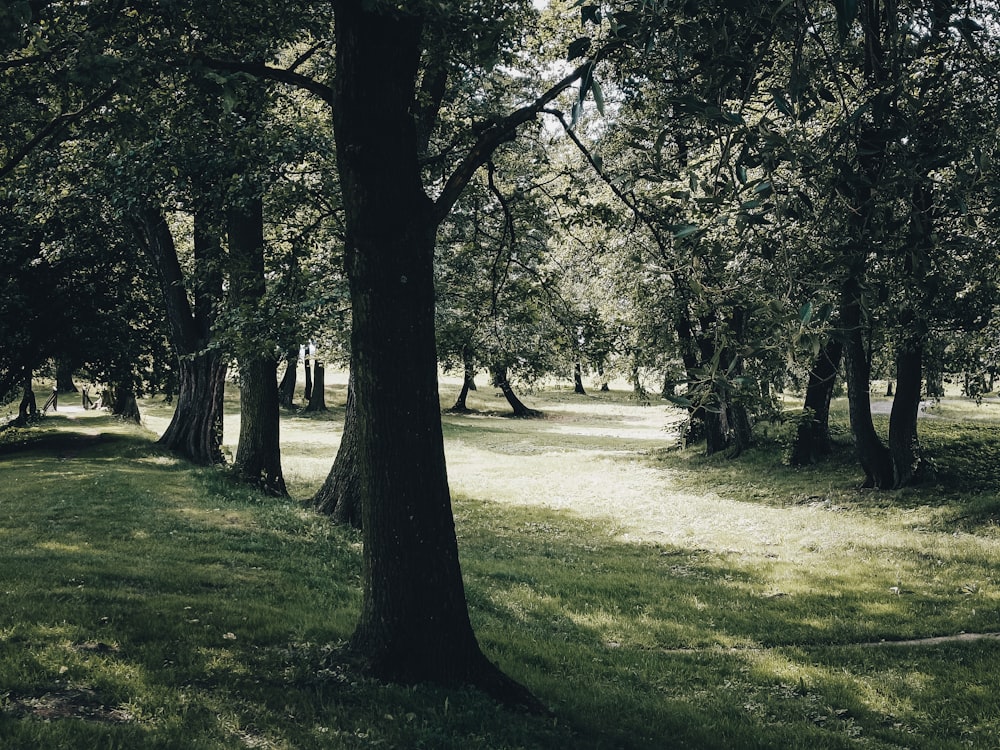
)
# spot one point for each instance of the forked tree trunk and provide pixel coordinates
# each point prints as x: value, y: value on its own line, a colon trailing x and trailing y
x: 317, y: 400
x: 258, y: 453
x: 414, y: 624
x: 195, y: 431
x: 501, y: 381
x: 812, y: 440
x: 340, y: 495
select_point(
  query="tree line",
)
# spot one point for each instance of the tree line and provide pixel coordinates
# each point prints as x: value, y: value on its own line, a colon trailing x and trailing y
x: 730, y: 199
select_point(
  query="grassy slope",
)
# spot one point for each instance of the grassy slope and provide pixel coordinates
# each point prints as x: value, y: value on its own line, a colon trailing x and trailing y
x: 651, y: 597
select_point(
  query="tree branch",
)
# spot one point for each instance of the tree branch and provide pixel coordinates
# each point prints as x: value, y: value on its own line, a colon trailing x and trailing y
x: 281, y: 75
x: 504, y: 129
x: 56, y: 124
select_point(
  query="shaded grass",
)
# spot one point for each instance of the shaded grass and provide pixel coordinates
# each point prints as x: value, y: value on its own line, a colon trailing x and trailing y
x: 652, y: 597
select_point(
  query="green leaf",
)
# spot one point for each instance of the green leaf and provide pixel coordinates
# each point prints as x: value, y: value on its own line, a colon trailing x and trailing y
x: 805, y: 313
x: 578, y: 47
x: 741, y: 174
x: 595, y: 87
x: 591, y: 14
x: 686, y: 231
x: 764, y: 189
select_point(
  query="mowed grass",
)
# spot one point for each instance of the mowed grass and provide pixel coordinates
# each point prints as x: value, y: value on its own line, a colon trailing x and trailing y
x: 651, y: 597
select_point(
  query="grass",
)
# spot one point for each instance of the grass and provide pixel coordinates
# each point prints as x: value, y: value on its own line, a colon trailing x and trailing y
x: 652, y: 597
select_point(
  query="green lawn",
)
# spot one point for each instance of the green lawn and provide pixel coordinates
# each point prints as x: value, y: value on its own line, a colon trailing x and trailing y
x: 651, y: 597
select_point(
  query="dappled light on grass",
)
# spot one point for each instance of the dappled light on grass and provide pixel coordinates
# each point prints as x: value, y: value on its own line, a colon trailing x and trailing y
x: 642, y: 593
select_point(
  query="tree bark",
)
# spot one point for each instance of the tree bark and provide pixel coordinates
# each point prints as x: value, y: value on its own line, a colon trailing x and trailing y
x: 64, y: 376
x: 124, y: 404
x: 812, y: 440
x: 872, y: 453
x: 500, y: 381
x: 903, y: 444
x: 340, y: 495
x: 414, y: 624
x: 258, y: 453
x: 195, y: 431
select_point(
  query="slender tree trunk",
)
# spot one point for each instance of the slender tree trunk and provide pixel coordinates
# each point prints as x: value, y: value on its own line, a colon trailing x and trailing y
x: 460, y: 403
x: 500, y: 381
x: 286, y: 388
x: 340, y: 495
x: 307, y: 362
x: 317, y: 401
x: 578, y: 379
x: 414, y: 624
x: 195, y: 431
x: 469, y: 368
x: 812, y: 441
x: 872, y: 453
x: 600, y: 374
x: 903, y: 444
x: 258, y: 453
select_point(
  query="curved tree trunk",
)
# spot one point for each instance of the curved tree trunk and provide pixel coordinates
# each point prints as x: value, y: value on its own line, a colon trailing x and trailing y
x: 872, y: 453
x: 317, y: 400
x: 414, y: 624
x: 812, y: 440
x: 461, y: 407
x: 340, y: 495
x: 196, y: 431
x: 500, y: 381
x: 258, y: 453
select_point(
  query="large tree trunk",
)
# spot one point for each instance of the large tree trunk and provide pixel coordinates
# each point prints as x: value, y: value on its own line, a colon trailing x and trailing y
x: 317, y: 399
x: 123, y: 403
x: 812, y: 441
x: 258, y: 454
x: 340, y: 495
x: 64, y: 376
x: 414, y: 624
x: 501, y: 381
x: 195, y: 431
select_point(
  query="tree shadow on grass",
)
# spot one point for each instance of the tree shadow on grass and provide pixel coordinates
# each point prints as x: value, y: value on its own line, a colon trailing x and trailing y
x: 651, y: 646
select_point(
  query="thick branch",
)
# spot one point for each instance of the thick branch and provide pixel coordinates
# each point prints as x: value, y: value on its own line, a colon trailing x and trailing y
x: 503, y: 130
x: 282, y: 75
